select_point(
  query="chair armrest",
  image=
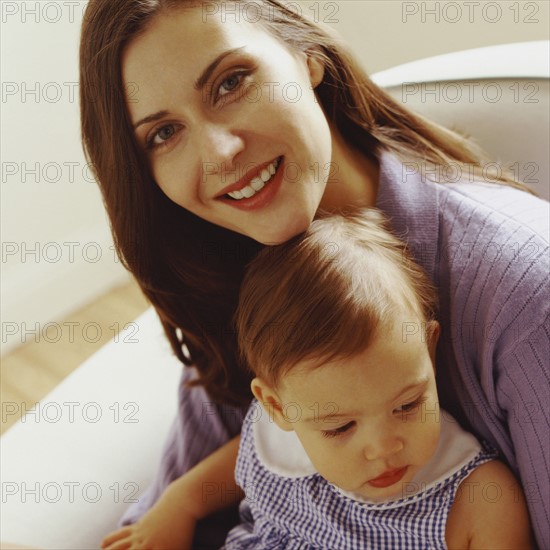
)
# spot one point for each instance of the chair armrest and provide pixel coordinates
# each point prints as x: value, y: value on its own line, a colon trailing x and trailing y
x: 92, y: 445
x: 525, y: 60
x: 498, y: 95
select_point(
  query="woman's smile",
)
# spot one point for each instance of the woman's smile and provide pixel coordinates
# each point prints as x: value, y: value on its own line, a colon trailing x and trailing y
x: 257, y: 189
x: 228, y: 105
x: 210, y: 132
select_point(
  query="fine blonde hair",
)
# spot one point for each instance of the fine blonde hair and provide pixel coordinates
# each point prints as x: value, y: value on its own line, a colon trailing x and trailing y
x: 324, y: 294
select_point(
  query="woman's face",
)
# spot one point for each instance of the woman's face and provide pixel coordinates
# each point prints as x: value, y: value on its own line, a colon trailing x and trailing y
x: 221, y: 106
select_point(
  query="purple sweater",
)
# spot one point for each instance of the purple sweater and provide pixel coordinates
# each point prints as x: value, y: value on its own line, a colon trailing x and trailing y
x: 486, y: 249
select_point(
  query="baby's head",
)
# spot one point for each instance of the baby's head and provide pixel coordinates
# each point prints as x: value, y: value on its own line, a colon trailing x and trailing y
x: 338, y: 326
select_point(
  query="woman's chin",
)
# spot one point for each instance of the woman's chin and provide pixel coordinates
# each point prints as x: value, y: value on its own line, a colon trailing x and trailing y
x: 278, y: 237
x: 283, y: 230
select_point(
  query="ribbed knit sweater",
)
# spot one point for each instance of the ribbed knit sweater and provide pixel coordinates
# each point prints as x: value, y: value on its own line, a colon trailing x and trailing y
x: 486, y: 248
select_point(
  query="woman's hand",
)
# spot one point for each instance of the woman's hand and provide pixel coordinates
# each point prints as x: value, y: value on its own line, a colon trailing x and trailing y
x: 170, y: 524
x: 156, y: 530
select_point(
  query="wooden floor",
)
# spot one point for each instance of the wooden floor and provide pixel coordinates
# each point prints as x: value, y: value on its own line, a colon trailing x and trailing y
x: 31, y: 371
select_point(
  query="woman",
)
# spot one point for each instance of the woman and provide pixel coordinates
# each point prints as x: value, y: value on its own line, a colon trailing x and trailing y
x: 213, y: 134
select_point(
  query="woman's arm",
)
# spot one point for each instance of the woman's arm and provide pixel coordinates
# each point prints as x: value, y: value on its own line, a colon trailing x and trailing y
x: 523, y: 393
x: 199, y: 429
x: 207, y: 488
x: 494, y: 368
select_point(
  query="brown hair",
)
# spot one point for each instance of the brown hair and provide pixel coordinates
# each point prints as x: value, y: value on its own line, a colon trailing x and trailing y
x: 324, y: 294
x: 188, y: 268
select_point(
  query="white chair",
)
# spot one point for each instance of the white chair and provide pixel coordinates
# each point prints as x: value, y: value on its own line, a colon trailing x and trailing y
x: 67, y: 478
x: 66, y: 481
x: 499, y: 95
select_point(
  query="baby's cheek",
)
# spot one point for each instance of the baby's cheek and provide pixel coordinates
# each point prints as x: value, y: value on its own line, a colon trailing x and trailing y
x: 322, y: 457
x: 430, y: 439
x: 335, y: 469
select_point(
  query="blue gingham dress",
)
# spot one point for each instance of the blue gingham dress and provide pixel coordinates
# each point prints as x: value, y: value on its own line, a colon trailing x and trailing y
x: 305, y: 512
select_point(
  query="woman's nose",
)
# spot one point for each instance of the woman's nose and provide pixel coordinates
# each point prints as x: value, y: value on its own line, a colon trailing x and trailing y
x: 220, y: 146
x: 382, y: 446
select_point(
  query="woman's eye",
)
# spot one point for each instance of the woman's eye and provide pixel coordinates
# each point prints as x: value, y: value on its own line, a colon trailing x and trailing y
x: 230, y: 84
x: 338, y: 431
x: 161, y: 136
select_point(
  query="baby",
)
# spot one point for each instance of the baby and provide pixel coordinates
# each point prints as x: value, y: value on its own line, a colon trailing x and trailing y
x: 349, y: 448
x: 345, y: 446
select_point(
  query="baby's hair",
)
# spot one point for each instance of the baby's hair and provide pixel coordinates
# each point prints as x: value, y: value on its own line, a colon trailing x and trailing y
x: 324, y: 294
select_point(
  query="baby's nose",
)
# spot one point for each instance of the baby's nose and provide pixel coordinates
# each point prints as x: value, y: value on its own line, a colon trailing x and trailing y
x: 382, y: 446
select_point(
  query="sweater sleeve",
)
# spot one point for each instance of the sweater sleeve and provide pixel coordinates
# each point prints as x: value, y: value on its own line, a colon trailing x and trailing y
x: 502, y: 287
x: 486, y: 248
x: 200, y: 427
x: 523, y: 393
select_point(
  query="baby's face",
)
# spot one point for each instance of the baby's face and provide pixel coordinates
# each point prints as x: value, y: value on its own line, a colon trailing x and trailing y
x: 371, y: 422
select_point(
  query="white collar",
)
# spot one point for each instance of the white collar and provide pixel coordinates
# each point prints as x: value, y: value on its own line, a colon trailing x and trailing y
x: 282, y: 453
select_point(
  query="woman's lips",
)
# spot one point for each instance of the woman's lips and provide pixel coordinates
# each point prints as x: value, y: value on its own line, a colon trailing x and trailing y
x: 245, y: 180
x: 263, y: 197
x: 388, y: 478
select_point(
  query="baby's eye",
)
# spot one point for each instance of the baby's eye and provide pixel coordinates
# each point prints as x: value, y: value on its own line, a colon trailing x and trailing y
x: 410, y: 407
x: 338, y: 431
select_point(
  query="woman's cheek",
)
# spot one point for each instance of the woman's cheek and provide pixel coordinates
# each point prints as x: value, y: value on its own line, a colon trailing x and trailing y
x: 169, y: 176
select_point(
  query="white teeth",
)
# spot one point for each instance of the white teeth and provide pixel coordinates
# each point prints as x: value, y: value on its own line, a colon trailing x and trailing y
x: 257, y: 183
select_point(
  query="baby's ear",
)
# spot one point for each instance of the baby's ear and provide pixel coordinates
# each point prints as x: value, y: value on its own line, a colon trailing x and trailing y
x: 271, y: 403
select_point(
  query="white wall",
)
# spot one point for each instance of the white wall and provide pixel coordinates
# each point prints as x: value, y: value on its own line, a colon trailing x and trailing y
x: 391, y: 32
x: 49, y: 201
x: 57, y: 211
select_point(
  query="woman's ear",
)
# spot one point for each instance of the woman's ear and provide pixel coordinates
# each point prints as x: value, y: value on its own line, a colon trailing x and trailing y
x: 433, y: 332
x: 270, y: 402
x: 316, y: 69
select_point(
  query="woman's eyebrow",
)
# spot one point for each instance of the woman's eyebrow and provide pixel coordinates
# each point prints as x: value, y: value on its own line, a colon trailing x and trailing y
x: 150, y: 118
x: 203, y: 78
x: 199, y: 84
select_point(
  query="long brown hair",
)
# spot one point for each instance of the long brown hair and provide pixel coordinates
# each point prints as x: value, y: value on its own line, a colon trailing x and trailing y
x: 325, y: 294
x: 188, y: 268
